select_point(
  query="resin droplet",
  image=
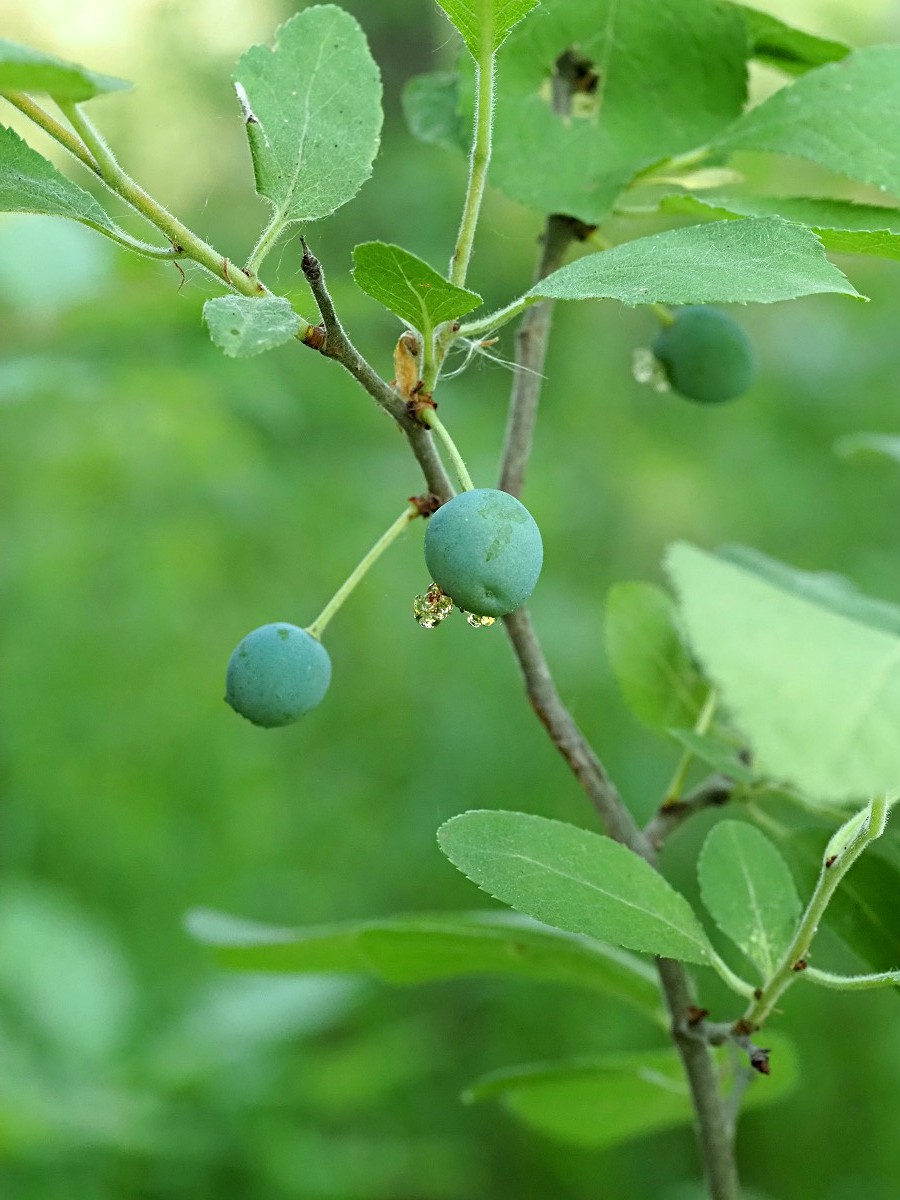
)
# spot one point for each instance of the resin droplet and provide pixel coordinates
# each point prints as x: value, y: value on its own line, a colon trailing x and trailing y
x: 478, y: 622
x: 430, y: 609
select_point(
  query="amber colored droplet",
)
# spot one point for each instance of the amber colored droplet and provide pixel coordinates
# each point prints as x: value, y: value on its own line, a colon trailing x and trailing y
x: 432, y: 607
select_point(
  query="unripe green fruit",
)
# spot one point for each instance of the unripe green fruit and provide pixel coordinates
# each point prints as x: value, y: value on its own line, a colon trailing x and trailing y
x: 706, y: 355
x: 276, y: 674
x: 484, y: 550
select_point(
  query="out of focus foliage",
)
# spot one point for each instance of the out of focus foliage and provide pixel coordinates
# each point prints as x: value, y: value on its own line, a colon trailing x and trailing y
x: 158, y: 501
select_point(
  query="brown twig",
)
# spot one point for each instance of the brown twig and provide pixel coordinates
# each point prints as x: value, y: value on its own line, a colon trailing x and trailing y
x: 711, y: 793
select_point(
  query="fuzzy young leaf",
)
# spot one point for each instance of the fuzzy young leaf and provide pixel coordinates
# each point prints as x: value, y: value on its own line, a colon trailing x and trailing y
x: 419, y: 949
x: 587, y: 96
x: 749, y: 891
x: 760, y: 260
x: 485, y: 24
x: 575, y: 880
x: 409, y: 287
x: 788, y: 49
x: 659, y: 681
x: 844, y: 116
x: 431, y: 106
x: 312, y: 112
x: 25, y: 70
x: 809, y: 668
x: 242, y: 326
x: 842, y: 226
x: 604, y: 1100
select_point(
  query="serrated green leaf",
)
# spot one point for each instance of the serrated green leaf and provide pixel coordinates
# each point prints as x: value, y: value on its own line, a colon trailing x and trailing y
x: 749, y: 892
x: 587, y: 97
x: 485, y: 24
x: 808, y: 667
x: 844, y: 116
x: 716, y: 753
x: 658, y: 678
x: 409, y: 287
x: 23, y: 69
x: 886, y: 445
x: 791, y: 50
x: 312, y: 112
x: 431, y: 106
x: 419, y: 949
x: 242, y: 326
x: 604, y: 1100
x: 575, y: 880
x: 759, y: 260
x: 842, y: 226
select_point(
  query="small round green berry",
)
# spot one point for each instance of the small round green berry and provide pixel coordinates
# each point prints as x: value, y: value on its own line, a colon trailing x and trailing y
x: 484, y: 550
x: 706, y: 355
x: 276, y: 674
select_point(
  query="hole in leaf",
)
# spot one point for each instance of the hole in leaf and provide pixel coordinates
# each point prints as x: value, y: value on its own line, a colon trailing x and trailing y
x: 573, y: 89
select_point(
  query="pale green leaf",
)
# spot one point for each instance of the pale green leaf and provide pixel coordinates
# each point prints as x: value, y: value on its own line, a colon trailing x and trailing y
x: 587, y: 96
x: 791, y: 50
x: 419, y: 949
x: 716, y: 752
x: 844, y: 836
x: 603, y: 1100
x: 886, y: 445
x: 431, y: 106
x: 312, y: 108
x: 749, y: 891
x: 409, y: 287
x: 23, y: 69
x: 573, y: 879
x: 242, y: 326
x: 659, y: 681
x: 808, y: 667
x: 485, y: 24
x: 760, y: 259
x: 844, y: 116
x: 842, y: 226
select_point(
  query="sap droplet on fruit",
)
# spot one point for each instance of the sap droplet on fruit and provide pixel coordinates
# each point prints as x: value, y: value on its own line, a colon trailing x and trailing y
x: 478, y: 622
x: 432, y: 607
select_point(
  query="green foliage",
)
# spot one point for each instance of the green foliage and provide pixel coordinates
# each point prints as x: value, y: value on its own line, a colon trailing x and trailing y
x: 409, y: 287
x: 843, y: 116
x: 314, y: 113
x: 243, y: 326
x: 706, y: 355
x: 806, y: 665
x: 646, y: 649
x: 716, y: 752
x: 277, y: 674
x: 485, y: 24
x: 25, y: 70
x: 788, y: 49
x: 484, y: 550
x: 574, y: 880
x: 748, y: 889
x: 426, y: 947
x: 760, y: 259
x: 886, y: 445
x: 431, y: 106
x: 575, y: 122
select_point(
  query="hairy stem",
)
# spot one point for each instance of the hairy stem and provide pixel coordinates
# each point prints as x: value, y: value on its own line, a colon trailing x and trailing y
x: 435, y: 423
x: 479, y: 161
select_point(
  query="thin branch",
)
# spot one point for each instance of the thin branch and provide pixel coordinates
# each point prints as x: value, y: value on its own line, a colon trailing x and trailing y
x: 337, y: 346
x: 711, y: 793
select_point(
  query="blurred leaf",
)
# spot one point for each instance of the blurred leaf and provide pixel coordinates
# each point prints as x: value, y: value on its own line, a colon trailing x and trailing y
x: 407, y: 950
x: 587, y: 97
x: 760, y: 259
x: 432, y: 110
x: 314, y: 113
x: 242, y: 326
x: 659, y: 681
x: 604, y: 1100
x: 716, y: 752
x: 749, y: 891
x: 809, y: 668
x: 485, y: 24
x: 788, y: 49
x: 575, y: 880
x: 409, y: 287
x: 25, y: 70
x: 863, y: 910
x: 844, y: 116
x: 883, y: 444
x: 843, y: 226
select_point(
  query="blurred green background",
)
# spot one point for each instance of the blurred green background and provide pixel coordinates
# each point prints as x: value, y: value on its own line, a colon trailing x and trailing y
x: 159, y: 501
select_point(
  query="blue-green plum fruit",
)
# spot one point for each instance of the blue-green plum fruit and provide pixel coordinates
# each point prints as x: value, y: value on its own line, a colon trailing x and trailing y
x: 484, y: 551
x: 276, y: 674
x: 706, y: 355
